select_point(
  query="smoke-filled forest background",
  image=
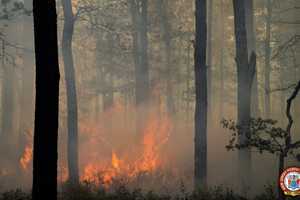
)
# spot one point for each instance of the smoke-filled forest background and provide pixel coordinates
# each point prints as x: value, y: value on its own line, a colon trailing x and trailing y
x: 127, y: 92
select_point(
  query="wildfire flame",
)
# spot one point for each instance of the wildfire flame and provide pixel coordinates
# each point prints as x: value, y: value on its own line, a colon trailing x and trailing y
x: 148, y: 155
x: 156, y: 134
x: 26, y: 158
x: 102, y: 160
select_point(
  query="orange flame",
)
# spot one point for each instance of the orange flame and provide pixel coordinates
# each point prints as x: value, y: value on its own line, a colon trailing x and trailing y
x: 26, y: 158
x: 115, y: 161
x: 156, y: 133
x: 121, y: 161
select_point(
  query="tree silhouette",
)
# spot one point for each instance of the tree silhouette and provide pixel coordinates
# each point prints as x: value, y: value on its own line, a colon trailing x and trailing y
x: 46, y: 106
x: 201, y: 95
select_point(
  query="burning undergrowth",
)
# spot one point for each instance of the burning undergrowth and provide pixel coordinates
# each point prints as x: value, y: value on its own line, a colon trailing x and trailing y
x: 113, y: 154
x: 110, y: 153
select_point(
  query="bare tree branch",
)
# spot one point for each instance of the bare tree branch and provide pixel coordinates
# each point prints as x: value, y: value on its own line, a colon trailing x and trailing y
x: 288, y: 108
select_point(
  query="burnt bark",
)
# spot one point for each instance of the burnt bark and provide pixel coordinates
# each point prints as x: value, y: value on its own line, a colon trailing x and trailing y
x: 47, y: 101
x: 201, y: 95
x: 70, y: 80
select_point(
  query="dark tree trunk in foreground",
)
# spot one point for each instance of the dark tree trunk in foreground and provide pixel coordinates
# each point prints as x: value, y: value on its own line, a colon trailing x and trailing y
x: 47, y: 101
x: 71, y: 92
x: 245, y: 73
x: 140, y: 46
x: 201, y: 96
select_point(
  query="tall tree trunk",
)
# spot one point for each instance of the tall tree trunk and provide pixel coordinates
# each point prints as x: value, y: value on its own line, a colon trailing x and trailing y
x: 251, y: 40
x: 245, y: 73
x: 47, y: 101
x: 70, y: 80
x: 165, y: 27
x: 222, y: 46
x: 209, y: 58
x: 283, y: 78
x: 140, y: 47
x: 267, y: 71
x: 188, y: 89
x: 201, y: 95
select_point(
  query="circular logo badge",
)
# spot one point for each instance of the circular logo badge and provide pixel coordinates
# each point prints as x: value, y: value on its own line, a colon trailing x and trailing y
x: 290, y: 181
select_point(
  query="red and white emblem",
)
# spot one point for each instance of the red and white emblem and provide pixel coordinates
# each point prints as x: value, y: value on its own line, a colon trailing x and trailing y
x: 290, y: 181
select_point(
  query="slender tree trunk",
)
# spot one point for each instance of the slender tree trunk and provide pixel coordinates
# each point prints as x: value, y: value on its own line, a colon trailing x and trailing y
x: 222, y: 46
x: 209, y: 58
x: 47, y: 101
x: 282, y: 85
x: 267, y: 71
x: 139, y: 11
x: 245, y: 72
x: 165, y: 26
x: 201, y: 95
x: 188, y: 88
x: 251, y: 39
x: 70, y: 80
x: 140, y: 47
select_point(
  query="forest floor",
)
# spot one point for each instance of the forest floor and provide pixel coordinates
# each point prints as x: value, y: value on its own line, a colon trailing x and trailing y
x: 84, y: 192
